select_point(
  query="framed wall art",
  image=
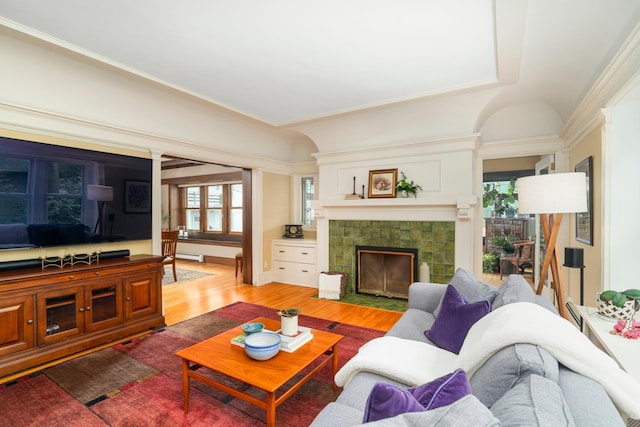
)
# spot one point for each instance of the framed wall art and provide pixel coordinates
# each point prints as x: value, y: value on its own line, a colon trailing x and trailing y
x: 137, y: 196
x: 382, y: 183
x: 584, y: 220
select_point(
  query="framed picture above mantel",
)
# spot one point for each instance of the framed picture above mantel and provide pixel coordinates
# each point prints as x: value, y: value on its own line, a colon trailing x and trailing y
x: 382, y: 183
x: 584, y: 220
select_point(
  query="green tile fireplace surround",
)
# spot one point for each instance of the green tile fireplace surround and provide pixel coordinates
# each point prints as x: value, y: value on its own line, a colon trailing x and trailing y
x: 433, y: 239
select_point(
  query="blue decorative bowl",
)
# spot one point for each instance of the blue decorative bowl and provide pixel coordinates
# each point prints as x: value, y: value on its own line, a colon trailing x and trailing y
x: 252, y: 328
x: 262, y: 345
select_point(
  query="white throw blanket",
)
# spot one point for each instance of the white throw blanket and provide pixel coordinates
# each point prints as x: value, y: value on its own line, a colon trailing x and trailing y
x: 410, y: 362
x: 414, y: 363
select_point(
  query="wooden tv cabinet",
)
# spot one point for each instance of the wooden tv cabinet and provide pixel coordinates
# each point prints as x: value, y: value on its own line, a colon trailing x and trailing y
x: 52, y: 313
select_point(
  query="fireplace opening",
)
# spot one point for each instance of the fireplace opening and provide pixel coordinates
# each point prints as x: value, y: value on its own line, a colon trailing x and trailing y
x: 385, y: 271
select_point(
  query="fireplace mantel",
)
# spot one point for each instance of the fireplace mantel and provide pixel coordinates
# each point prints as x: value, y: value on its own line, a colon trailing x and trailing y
x: 422, y: 202
x: 453, y: 208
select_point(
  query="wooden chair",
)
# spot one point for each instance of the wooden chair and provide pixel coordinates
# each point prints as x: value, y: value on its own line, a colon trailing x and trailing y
x: 521, y: 258
x: 169, y: 245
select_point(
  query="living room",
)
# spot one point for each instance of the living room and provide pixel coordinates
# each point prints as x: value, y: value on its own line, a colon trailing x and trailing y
x: 556, y: 80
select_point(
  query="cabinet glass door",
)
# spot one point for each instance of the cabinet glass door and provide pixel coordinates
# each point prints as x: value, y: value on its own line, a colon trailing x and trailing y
x: 60, y: 314
x: 104, y: 304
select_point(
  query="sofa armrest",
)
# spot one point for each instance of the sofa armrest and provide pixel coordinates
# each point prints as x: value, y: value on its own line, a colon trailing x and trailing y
x: 426, y: 296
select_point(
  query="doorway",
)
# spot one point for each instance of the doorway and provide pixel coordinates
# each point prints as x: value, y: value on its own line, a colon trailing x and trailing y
x: 502, y: 225
x: 210, y: 205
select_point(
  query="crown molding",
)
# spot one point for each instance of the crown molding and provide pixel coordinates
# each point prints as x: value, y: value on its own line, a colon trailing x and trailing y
x: 74, y: 131
x: 615, y: 82
x: 520, y: 147
x: 435, y: 146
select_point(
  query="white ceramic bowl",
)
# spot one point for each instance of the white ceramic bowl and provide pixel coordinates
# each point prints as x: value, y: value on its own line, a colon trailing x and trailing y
x: 252, y: 328
x: 262, y: 345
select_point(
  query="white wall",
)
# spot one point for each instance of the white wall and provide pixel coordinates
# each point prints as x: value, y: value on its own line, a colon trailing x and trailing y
x: 621, y: 156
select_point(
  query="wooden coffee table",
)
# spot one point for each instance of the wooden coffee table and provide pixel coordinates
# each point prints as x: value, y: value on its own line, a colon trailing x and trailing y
x: 219, y: 355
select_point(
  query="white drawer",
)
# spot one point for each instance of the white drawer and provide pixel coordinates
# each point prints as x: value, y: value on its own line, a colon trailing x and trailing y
x: 295, y: 273
x: 294, y: 254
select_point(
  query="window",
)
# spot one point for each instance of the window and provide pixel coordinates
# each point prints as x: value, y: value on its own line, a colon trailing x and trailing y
x: 307, y: 195
x: 221, y: 205
x: 500, y: 192
x: 235, y: 210
x: 214, y: 208
x: 193, y: 208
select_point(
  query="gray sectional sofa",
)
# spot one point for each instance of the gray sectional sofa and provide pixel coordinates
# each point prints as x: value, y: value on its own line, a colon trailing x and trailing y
x: 520, y: 385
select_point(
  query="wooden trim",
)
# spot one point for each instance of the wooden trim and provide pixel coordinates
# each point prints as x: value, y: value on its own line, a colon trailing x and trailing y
x: 200, y: 179
x: 247, y: 230
x: 211, y: 242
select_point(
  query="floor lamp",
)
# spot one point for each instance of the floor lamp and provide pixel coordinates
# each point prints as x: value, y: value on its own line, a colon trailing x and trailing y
x: 101, y: 194
x: 551, y: 196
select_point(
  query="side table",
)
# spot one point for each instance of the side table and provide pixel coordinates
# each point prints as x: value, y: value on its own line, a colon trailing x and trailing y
x: 625, y: 351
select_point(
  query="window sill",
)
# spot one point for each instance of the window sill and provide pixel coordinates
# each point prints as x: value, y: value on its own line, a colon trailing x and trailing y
x: 210, y: 242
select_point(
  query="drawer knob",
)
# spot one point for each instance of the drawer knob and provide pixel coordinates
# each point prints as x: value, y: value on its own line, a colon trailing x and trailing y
x: 128, y: 298
x: 89, y: 308
x: 305, y: 271
x: 281, y: 268
x: 72, y: 277
x: 97, y: 273
x: 81, y: 310
x: 281, y: 252
x: 30, y: 322
x: 305, y: 253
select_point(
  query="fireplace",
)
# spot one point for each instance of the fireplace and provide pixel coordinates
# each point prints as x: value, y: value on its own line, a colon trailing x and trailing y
x: 385, y: 271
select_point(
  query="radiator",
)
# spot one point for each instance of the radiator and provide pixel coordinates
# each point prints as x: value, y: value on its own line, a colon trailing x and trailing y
x: 192, y: 257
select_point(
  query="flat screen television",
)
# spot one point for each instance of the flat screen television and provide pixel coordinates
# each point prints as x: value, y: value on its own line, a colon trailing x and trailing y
x: 52, y: 195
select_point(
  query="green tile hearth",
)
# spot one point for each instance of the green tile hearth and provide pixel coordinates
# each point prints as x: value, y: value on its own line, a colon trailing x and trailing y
x: 384, y: 303
x: 433, y: 239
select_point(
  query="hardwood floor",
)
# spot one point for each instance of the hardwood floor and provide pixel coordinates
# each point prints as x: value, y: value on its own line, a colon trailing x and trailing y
x: 495, y: 280
x: 184, y: 301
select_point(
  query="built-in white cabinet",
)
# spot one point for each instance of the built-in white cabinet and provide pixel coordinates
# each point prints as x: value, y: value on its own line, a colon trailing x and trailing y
x: 294, y: 262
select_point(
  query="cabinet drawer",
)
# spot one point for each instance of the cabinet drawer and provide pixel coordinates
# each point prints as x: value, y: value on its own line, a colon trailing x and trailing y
x: 294, y: 254
x: 295, y: 273
x: 118, y: 270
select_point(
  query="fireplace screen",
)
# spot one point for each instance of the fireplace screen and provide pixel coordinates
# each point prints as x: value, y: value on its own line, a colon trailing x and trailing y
x: 385, y: 271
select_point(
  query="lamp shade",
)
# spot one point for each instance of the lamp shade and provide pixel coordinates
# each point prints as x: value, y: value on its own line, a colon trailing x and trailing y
x: 101, y: 193
x: 553, y: 193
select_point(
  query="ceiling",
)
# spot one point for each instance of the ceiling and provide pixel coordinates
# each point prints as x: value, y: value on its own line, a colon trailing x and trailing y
x: 291, y: 62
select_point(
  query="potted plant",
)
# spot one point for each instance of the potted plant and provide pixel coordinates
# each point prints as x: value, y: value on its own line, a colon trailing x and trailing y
x: 490, y: 262
x: 404, y: 187
x: 289, y: 321
x: 618, y: 304
x: 505, y: 243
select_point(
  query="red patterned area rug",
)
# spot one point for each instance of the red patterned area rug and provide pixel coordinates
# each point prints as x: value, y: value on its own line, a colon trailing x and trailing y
x: 139, y: 383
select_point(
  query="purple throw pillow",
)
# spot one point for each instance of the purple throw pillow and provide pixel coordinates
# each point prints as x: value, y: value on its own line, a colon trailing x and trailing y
x: 455, y: 319
x: 442, y: 391
x: 386, y: 400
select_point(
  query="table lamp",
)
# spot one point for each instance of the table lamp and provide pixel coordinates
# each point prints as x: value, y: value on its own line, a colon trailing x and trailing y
x: 551, y: 196
x: 101, y: 194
